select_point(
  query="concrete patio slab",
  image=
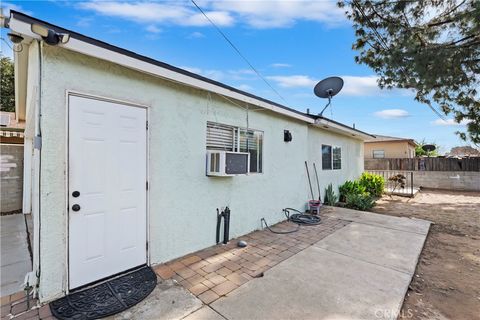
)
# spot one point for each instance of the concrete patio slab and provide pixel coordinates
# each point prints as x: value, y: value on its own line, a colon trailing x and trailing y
x: 397, y: 250
x: 359, y: 272
x: 15, y: 257
x: 397, y: 223
x: 167, y: 301
x: 318, y: 284
x: 205, y: 313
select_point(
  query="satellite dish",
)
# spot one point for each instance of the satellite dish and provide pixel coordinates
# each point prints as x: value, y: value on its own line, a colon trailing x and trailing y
x: 327, y: 88
x: 429, y: 147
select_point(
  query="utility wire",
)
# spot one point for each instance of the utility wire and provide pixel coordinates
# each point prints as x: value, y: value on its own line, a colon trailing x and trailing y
x: 238, y: 51
x: 384, y: 45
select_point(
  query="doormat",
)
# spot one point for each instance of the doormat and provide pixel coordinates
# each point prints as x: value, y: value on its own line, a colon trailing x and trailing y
x: 107, y: 298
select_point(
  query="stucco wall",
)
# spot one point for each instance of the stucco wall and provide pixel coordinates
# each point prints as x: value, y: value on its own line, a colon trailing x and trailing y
x: 11, y: 177
x: 393, y: 149
x: 182, y: 200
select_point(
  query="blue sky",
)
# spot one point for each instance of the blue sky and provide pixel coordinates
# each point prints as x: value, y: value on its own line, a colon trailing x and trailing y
x: 293, y: 45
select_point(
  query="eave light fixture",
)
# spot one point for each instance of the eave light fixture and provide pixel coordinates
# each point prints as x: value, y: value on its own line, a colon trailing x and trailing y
x: 50, y: 36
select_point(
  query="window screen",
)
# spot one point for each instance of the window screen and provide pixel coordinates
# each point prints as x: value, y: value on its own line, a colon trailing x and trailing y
x: 326, y: 157
x: 220, y: 137
x: 337, y: 158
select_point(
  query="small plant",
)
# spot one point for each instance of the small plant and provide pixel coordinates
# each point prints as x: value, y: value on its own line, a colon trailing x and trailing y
x: 330, y: 196
x: 350, y: 187
x: 360, y: 201
x: 399, y: 181
x: 374, y: 184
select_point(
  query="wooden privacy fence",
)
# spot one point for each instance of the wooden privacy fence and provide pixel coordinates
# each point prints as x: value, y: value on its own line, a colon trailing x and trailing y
x: 424, y: 164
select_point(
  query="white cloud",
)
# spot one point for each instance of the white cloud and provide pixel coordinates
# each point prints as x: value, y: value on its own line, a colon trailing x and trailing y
x: 254, y: 13
x: 84, y: 22
x: 449, y: 122
x: 281, y: 14
x: 294, y: 81
x: 196, y: 35
x: 153, y: 29
x: 392, y: 114
x: 158, y: 12
x: 360, y: 86
x: 280, y: 65
x: 353, y: 85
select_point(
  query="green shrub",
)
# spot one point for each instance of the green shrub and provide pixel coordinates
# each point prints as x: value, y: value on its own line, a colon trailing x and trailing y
x: 330, y: 196
x: 351, y: 187
x: 360, y: 201
x: 374, y: 184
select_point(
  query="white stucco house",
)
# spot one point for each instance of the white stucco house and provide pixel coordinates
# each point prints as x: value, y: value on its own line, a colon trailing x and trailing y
x: 116, y: 159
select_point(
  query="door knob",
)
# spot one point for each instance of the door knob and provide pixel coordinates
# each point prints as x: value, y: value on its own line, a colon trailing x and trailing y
x: 76, y: 207
x: 75, y: 194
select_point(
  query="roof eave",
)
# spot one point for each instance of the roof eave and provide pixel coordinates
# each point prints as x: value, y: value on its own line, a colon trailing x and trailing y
x: 21, y: 24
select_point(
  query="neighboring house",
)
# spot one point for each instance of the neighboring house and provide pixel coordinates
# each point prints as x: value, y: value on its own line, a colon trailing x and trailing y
x: 11, y: 163
x: 463, y: 152
x: 119, y: 158
x: 389, y: 147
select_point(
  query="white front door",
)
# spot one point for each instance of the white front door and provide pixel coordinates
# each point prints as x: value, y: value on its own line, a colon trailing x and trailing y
x: 107, y: 189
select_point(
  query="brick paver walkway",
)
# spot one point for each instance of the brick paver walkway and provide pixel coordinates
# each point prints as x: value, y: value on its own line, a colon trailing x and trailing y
x: 215, y: 271
x: 16, y: 306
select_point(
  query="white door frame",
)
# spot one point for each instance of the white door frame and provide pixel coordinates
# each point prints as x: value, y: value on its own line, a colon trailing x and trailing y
x: 69, y: 93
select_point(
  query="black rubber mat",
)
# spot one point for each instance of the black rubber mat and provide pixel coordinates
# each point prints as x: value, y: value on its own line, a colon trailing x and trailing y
x: 107, y: 298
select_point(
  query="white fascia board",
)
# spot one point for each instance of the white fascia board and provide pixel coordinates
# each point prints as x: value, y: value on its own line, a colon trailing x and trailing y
x: 152, y: 69
x: 334, y: 127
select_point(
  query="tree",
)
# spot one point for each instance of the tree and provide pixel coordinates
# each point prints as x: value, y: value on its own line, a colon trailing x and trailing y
x: 7, y: 88
x: 419, y: 152
x: 430, y: 46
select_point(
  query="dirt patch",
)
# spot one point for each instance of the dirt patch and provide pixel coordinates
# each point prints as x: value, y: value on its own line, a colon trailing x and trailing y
x: 446, y: 284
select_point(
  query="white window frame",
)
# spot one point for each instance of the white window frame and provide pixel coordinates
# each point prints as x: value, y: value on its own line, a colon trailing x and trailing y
x: 332, y: 147
x: 333, y: 163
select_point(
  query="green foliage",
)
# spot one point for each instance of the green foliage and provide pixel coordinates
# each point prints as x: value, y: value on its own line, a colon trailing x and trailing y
x: 7, y: 85
x: 359, y: 201
x: 419, y: 152
x: 330, y: 196
x: 374, y: 184
x: 429, y: 47
x: 351, y: 187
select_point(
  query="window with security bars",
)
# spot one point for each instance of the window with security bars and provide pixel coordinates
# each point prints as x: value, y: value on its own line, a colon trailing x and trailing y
x: 230, y: 138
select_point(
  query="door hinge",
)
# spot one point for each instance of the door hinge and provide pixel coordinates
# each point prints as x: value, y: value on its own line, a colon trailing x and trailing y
x: 146, y: 246
x: 146, y: 185
x: 146, y: 126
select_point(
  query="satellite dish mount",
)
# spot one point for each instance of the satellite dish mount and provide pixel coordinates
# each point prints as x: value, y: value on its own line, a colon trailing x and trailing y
x: 327, y: 88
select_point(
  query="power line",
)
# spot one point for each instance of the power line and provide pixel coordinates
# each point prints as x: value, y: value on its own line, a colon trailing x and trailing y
x: 238, y: 51
x: 384, y: 45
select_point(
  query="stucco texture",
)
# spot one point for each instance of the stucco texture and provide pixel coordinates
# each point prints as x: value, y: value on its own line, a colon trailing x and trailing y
x: 182, y: 199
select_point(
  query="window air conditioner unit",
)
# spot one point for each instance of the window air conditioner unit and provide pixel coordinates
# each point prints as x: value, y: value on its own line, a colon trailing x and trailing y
x: 227, y: 163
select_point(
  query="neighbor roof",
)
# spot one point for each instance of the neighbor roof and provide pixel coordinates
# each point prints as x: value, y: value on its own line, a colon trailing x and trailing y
x: 380, y: 138
x: 83, y: 44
